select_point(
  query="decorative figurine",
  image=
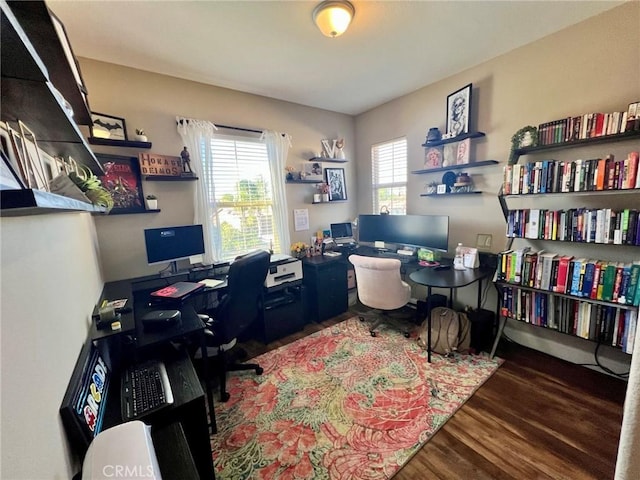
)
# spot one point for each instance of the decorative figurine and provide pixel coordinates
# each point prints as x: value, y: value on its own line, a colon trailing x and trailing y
x: 186, y: 159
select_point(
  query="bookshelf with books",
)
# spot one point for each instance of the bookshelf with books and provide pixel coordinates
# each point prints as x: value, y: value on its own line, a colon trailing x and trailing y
x: 572, y: 262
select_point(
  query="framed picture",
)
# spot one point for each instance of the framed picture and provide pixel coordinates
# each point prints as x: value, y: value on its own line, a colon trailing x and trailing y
x: 433, y: 157
x: 459, y: 111
x: 462, y: 154
x: 311, y: 171
x: 108, y: 126
x: 122, y: 179
x: 337, y: 184
x: 9, y: 178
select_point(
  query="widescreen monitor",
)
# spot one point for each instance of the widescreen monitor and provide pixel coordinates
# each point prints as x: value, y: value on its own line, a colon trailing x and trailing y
x: 170, y: 244
x: 427, y: 231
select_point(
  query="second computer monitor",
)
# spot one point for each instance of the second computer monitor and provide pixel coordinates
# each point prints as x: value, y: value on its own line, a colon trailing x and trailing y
x: 428, y: 231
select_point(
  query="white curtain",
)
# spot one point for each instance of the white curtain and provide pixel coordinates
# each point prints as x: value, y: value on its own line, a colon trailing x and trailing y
x: 278, y: 148
x: 196, y: 136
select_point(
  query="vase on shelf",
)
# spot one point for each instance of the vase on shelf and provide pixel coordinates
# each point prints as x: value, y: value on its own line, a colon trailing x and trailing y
x: 317, y: 197
x: 325, y: 197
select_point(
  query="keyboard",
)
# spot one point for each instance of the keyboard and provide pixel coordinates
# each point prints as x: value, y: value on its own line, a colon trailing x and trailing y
x: 402, y: 258
x: 145, y: 389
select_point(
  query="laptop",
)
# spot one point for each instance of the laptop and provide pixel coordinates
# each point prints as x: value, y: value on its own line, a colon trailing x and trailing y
x: 177, y: 290
x: 342, y: 233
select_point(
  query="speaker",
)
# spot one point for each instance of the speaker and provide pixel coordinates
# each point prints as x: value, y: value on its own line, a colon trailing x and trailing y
x: 160, y: 319
x: 482, y: 322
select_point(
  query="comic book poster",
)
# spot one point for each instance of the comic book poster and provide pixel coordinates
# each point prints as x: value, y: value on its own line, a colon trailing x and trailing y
x: 122, y: 178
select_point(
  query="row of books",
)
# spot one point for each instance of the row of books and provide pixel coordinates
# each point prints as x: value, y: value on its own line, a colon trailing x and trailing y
x: 617, y: 282
x: 589, y: 125
x: 553, y: 176
x: 602, y: 225
x: 607, y: 324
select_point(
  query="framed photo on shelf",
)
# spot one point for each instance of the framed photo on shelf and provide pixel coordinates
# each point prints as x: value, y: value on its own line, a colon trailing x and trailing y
x: 122, y: 179
x: 9, y: 178
x: 108, y: 126
x: 311, y: 171
x: 459, y: 111
x: 433, y: 157
x: 337, y: 184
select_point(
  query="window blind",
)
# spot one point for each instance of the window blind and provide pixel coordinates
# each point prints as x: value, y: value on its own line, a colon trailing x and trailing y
x: 240, y: 182
x: 389, y: 176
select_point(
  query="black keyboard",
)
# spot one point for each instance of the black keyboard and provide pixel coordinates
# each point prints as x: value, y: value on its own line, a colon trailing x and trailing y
x: 145, y: 389
x: 397, y: 256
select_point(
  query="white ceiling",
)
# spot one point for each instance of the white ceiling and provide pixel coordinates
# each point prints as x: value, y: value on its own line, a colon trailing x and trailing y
x: 272, y: 48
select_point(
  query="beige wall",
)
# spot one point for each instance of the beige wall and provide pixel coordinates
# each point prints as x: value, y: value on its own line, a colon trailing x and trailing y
x: 50, y: 282
x: 50, y: 264
x: 591, y: 67
x: 152, y: 102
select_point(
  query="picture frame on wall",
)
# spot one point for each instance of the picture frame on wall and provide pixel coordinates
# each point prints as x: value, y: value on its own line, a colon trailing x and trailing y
x: 459, y: 111
x: 108, y: 126
x: 122, y: 179
x: 9, y: 177
x: 337, y: 184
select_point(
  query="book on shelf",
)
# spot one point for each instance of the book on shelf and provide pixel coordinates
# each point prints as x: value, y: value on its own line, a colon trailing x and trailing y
x: 609, y: 281
x: 547, y: 265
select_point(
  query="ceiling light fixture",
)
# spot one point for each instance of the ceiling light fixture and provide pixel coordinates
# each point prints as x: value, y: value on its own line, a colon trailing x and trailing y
x: 333, y: 17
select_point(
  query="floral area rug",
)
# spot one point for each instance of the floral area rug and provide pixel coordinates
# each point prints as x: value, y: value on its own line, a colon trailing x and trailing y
x: 340, y: 404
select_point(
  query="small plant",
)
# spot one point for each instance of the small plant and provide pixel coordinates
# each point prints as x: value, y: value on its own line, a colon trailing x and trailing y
x: 140, y: 131
x: 92, y: 187
x: 151, y: 197
x: 323, y: 187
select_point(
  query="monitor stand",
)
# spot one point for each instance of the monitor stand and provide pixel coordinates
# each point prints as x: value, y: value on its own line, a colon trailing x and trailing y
x: 172, y: 271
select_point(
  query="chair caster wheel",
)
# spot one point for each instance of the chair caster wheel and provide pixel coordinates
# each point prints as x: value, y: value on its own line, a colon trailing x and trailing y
x: 361, y: 319
x: 259, y: 371
x: 224, y: 397
x: 373, y: 334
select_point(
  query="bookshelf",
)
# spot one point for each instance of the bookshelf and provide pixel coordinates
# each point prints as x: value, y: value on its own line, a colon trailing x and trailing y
x: 573, y: 266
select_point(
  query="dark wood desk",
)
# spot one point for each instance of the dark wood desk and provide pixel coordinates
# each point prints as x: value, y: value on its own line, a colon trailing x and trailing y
x: 450, y: 279
x: 133, y: 342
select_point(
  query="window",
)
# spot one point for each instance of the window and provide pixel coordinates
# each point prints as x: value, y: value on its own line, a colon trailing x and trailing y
x: 240, y: 181
x: 389, y: 176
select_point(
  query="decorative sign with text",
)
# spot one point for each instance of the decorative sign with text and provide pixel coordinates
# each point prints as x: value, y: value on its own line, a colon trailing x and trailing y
x: 165, y: 165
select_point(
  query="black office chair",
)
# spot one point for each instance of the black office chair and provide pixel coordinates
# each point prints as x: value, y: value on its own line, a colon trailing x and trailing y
x: 239, y: 307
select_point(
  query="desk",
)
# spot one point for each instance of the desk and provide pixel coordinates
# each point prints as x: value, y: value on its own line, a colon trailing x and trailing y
x: 133, y: 343
x: 180, y: 429
x: 450, y: 279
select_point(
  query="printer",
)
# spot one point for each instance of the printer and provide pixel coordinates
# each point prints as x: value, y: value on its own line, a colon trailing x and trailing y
x: 123, y: 451
x: 283, y: 270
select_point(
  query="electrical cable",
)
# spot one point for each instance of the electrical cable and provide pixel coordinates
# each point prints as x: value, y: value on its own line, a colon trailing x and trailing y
x: 623, y: 375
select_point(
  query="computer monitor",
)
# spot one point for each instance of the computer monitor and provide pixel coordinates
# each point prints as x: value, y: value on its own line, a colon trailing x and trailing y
x: 341, y: 230
x: 170, y: 244
x: 427, y: 231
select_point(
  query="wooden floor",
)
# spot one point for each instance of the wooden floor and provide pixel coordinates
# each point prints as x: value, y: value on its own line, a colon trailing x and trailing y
x: 537, y: 417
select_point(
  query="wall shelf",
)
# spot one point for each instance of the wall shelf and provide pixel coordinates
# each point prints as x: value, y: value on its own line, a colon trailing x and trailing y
x: 168, y: 178
x: 464, y: 166
x: 327, y: 203
x: 459, y: 138
x: 580, y: 143
x: 157, y: 210
x: 449, y: 194
x: 328, y: 160
x: 305, y: 181
x: 36, y: 202
x: 118, y: 143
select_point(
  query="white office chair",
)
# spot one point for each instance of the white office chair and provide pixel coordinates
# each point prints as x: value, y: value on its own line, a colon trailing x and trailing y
x: 380, y: 287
